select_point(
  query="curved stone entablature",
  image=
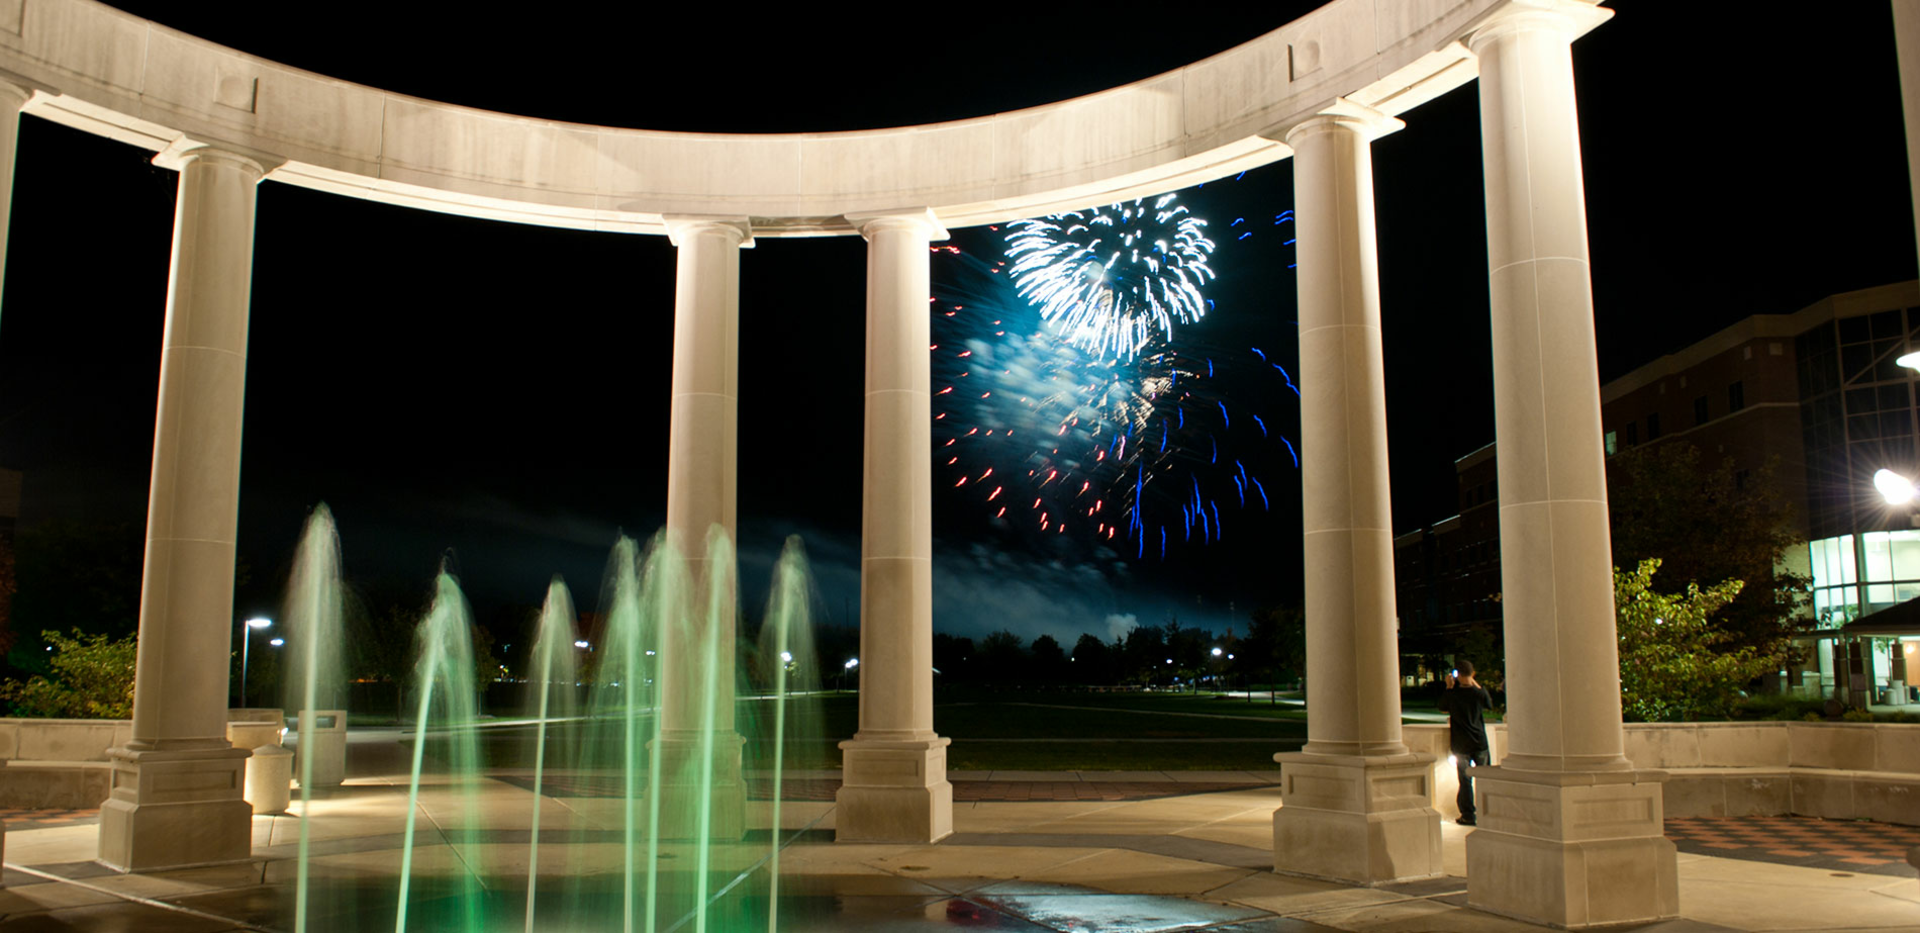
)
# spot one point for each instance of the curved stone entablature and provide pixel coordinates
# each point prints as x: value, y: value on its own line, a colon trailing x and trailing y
x: 106, y: 72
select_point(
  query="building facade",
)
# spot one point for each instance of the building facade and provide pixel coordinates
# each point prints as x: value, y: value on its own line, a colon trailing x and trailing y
x: 1817, y: 395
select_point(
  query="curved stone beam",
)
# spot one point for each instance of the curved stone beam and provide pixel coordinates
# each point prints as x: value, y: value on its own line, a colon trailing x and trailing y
x: 115, y: 75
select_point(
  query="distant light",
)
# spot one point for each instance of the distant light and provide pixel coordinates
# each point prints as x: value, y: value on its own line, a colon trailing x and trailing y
x: 581, y: 644
x: 1169, y: 660
x: 277, y: 642
x: 259, y: 623
x: 786, y: 656
x: 1216, y: 652
x: 1229, y: 657
x: 1910, y: 361
x: 1897, y: 489
x: 649, y: 652
x: 851, y: 663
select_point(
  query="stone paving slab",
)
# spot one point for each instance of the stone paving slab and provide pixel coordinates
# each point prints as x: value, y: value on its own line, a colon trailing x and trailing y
x: 1156, y: 864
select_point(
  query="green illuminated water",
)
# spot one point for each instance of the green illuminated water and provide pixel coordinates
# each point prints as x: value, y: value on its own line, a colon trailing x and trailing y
x: 556, y: 673
x: 444, y: 677
x: 642, y: 751
x: 313, y: 625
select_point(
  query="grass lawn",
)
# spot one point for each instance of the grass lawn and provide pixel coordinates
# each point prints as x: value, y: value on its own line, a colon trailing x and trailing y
x: 1012, y: 730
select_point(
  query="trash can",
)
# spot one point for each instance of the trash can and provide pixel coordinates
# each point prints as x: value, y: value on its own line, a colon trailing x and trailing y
x: 260, y: 730
x: 323, y: 734
x: 270, y: 779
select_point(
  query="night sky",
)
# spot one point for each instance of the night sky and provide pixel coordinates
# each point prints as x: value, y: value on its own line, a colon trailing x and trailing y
x: 496, y: 395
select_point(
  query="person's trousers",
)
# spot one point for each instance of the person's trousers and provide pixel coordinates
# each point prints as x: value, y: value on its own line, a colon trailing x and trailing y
x: 1478, y: 758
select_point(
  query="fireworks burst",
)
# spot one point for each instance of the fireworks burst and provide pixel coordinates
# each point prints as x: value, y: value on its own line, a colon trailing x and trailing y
x: 1134, y: 445
x: 1109, y: 280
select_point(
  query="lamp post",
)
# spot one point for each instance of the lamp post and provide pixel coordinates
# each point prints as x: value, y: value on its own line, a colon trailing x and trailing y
x: 246, y: 642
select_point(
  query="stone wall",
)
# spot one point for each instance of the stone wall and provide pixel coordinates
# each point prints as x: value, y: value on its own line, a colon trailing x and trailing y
x: 1835, y: 770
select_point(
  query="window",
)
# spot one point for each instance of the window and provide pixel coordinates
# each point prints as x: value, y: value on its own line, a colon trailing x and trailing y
x: 1736, y: 397
x: 1632, y: 430
x: 1613, y: 443
x: 1653, y: 426
x: 1700, y: 410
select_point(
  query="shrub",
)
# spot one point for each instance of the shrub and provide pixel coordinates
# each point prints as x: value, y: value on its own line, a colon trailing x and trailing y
x: 92, y: 678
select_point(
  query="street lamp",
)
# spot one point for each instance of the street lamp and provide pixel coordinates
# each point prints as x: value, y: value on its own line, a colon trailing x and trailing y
x: 246, y: 642
x: 1895, y: 488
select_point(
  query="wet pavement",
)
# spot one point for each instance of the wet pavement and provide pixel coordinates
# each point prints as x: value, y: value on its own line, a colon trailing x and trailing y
x: 1187, y: 856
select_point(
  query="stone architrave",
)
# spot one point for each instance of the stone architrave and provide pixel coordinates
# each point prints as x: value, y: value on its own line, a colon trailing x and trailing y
x: 178, y: 783
x: 1570, y: 834
x: 894, y: 771
x: 1355, y: 801
x: 702, y: 469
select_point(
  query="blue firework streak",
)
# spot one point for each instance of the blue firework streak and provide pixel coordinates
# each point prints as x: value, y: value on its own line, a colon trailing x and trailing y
x: 1070, y: 444
x: 1111, y: 280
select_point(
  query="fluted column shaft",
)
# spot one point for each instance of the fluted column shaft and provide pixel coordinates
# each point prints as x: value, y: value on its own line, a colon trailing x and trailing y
x: 702, y: 462
x: 894, y: 769
x: 1353, y: 688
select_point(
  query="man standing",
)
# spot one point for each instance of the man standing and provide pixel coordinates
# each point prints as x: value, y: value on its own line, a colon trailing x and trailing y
x: 1464, y: 701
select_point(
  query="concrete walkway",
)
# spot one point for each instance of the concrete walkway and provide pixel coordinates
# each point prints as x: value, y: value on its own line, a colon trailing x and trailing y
x: 1184, y: 861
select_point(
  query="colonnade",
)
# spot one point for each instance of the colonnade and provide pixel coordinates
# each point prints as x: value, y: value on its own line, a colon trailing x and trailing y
x: 1570, y: 833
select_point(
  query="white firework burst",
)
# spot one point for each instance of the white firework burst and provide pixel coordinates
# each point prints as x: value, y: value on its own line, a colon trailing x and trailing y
x: 1109, y: 279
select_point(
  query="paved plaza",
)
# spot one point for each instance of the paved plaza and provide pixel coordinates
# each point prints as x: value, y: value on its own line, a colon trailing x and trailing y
x: 1083, y: 851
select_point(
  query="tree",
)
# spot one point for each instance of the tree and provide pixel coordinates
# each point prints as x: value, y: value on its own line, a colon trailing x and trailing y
x: 1049, y: 660
x: 1093, y: 661
x: 1275, y: 647
x: 1002, y: 657
x: 91, y: 678
x: 1676, y: 661
x: 950, y: 657
x: 1709, y: 524
x: 1144, y: 654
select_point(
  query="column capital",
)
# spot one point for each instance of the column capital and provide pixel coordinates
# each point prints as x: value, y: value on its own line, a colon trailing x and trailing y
x: 186, y: 150
x: 680, y: 226
x: 868, y: 222
x: 1341, y: 113
x: 13, y: 95
x: 1570, y: 19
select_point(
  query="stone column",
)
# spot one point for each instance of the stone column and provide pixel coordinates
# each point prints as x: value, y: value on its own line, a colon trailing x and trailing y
x: 178, y: 782
x: 701, y: 472
x: 12, y: 98
x: 894, y: 771
x: 1356, y: 803
x: 1906, y: 37
x: 1569, y: 833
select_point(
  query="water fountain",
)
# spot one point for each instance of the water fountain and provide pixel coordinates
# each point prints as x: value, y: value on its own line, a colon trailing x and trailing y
x: 634, y: 842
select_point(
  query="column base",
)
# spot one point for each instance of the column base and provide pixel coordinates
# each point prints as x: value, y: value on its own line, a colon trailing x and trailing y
x: 1572, y: 849
x: 176, y: 809
x: 682, y: 791
x: 1356, y: 820
x: 893, y: 791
